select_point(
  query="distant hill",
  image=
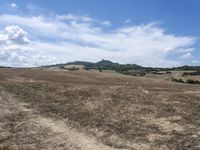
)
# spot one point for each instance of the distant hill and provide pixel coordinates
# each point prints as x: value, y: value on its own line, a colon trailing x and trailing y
x: 103, y: 64
x: 186, y: 67
x: 130, y: 69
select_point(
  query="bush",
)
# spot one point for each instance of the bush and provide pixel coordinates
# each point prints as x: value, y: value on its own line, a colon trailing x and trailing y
x: 168, y: 72
x: 177, y: 80
x: 100, y: 70
x: 72, y: 69
x: 190, y: 81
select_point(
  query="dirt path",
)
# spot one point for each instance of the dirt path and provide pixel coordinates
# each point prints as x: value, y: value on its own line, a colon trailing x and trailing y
x: 22, y: 128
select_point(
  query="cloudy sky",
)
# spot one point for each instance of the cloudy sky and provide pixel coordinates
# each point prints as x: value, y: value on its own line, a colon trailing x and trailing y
x: 160, y: 33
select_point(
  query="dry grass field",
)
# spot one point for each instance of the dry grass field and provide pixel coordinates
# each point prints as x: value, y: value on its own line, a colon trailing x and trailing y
x: 58, y: 110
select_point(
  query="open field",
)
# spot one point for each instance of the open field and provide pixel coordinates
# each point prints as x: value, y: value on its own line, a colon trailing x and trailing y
x: 44, y: 109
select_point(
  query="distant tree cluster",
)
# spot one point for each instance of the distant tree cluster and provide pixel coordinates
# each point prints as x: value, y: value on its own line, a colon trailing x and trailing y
x: 186, y: 68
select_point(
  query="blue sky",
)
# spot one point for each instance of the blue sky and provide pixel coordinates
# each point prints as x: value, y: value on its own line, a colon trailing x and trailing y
x: 149, y: 33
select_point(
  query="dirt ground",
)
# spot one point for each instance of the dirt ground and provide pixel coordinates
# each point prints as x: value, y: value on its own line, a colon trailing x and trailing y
x: 89, y: 110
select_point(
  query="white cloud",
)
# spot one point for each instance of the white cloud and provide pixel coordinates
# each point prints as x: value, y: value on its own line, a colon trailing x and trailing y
x: 13, y: 5
x: 187, y: 55
x: 63, y: 38
x: 15, y: 49
x: 106, y: 23
x: 73, y: 17
x: 16, y: 34
x: 3, y: 37
x: 195, y: 61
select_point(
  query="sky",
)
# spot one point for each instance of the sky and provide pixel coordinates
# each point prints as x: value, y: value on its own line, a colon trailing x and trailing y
x: 156, y: 33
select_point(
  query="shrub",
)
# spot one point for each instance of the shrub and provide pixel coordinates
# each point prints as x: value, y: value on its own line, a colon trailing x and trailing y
x: 100, y: 70
x: 177, y: 80
x: 72, y: 69
x: 190, y: 81
x: 168, y: 72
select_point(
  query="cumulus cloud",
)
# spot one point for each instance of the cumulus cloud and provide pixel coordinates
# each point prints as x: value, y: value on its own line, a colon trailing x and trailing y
x: 63, y: 38
x: 20, y: 57
x: 16, y: 34
x: 16, y: 51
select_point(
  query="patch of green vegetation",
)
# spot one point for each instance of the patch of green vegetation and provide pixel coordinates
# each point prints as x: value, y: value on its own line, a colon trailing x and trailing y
x: 133, y: 73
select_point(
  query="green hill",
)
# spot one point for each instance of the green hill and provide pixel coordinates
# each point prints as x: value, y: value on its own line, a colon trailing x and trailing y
x: 129, y: 69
